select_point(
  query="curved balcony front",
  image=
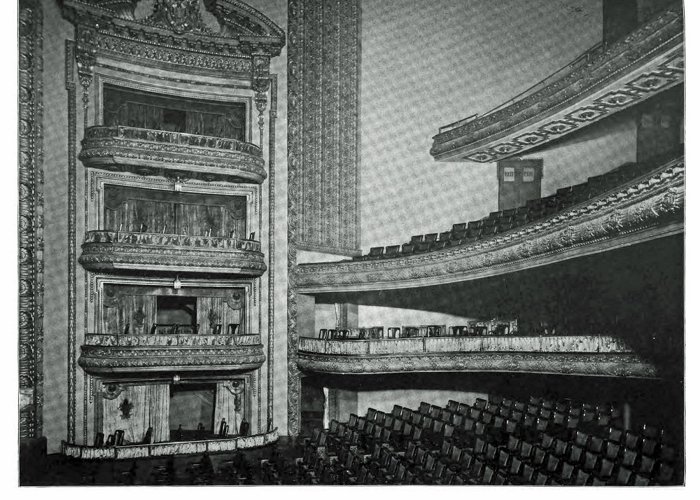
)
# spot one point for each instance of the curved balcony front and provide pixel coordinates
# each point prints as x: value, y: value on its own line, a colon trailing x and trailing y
x: 109, y: 251
x: 159, y: 356
x: 648, y: 208
x: 603, y: 81
x: 174, y: 154
x: 567, y: 355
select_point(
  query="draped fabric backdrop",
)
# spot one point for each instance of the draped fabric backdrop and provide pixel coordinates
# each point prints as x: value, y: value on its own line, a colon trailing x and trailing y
x: 151, y: 406
x: 226, y: 408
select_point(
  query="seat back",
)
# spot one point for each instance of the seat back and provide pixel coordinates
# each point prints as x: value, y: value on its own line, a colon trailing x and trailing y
x: 631, y: 440
x: 581, y: 478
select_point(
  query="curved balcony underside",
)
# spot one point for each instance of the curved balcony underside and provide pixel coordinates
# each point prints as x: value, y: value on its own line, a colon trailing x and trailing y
x: 648, y: 61
x: 595, y: 356
x: 158, y: 356
x: 118, y: 251
x: 648, y: 208
x: 172, y: 154
x: 168, y: 449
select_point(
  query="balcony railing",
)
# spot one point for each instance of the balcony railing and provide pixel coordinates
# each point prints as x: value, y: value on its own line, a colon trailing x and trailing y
x: 108, y: 355
x: 605, y: 78
x: 131, y: 452
x: 118, y: 250
x: 152, y: 152
x: 581, y: 355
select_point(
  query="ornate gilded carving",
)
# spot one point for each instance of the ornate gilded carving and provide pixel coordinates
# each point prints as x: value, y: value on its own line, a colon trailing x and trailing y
x: 31, y: 222
x: 115, y: 360
x: 154, y: 152
x: 647, y: 209
x: 573, y: 101
x: 109, y: 250
x: 242, y: 31
x: 111, y: 391
x: 271, y: 256
x: 180, y: 16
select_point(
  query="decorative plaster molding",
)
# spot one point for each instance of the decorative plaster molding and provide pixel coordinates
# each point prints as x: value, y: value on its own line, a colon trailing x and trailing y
x: 312, y: 148
x: 131, y: 452
x: 72, y: 409
x: 648, y: 61
x: 169, y: 340
x: 408, y: 346
x: 153, y: 152
x: 174, y: 35
x: 31, y: 219
x: 593, y: 364
x: 109, y: 251
x: 271, y: 255
x: 112, y: 355
x: 645, y: 209
x: 295, y: 70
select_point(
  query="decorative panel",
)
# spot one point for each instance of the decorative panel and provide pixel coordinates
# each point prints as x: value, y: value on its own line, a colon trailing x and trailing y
x: 30, y: 236
x: 328, y: 49
x: 323, y: 70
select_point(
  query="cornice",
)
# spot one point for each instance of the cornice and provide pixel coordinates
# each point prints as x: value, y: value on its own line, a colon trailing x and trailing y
x: 131, y: 452
x: 174, y: 34
x: 111, y: 251
x: 114, y: 356
x: 152, y: 152
x: 647, y: 208
x: 648, y: 61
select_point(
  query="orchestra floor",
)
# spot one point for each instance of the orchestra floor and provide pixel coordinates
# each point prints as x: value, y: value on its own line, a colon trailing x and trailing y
x: 58, y: 470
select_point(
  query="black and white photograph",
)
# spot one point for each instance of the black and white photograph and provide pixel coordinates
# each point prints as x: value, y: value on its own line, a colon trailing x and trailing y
x: 348, y: 242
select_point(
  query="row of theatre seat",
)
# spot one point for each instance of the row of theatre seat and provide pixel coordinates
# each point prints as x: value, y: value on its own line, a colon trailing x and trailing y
x: 490, y: 442
x: 395, y: 332
x: 534, y: 210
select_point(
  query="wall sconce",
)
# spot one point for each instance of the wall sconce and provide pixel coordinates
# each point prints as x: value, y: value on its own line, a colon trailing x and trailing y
x: 178, y: 185
x: 176, y: 379
x: 177, y: 284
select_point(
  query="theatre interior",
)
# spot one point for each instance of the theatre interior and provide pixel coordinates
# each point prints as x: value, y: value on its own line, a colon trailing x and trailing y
x: 351, y: 242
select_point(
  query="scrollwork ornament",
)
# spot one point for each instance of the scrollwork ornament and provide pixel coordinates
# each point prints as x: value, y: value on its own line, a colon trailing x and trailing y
x: 111, y: 391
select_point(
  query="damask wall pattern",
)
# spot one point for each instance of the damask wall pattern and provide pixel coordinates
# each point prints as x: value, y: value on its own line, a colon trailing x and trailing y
x: 327, y: 93
x: 31, y: 284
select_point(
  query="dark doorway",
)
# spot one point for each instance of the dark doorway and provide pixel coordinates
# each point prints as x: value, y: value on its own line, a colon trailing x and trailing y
x: 190, y: 406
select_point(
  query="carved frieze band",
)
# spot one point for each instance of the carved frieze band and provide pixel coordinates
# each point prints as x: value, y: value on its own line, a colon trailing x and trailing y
x: 648, y: 208
x: 31, y: 220
x: 595, y: 364
x: 648, y: 61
